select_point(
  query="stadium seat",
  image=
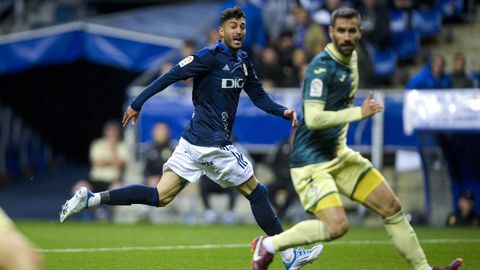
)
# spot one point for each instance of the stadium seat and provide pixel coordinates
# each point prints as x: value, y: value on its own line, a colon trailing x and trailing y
x: 405, y: 44
x: 427, y: 23
x: 384, y: 63
x: 450, y: 8
x: 398, y: 21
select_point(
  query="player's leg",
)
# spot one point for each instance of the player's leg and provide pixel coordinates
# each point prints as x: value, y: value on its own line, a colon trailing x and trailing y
x: 331, y: 223
x: 318, y: 194
x: 375, y: 193
x: 257, y: 195
x: 177, y: 169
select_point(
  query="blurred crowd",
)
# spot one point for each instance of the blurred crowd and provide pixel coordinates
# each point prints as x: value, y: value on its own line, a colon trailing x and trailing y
x: 284, y: 35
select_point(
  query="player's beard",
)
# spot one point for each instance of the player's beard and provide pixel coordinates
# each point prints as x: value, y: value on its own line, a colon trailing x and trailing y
x: 345, y: 48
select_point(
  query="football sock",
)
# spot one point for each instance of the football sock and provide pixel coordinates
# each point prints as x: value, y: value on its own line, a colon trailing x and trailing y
x: 94, y: 200
x: 268, y: 245
x: 131, y: 194
x: 405, y: 240
x: 303, y: 233
x: 263, y: 212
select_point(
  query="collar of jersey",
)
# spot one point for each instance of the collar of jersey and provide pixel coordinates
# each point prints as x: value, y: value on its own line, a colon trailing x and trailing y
x: 337, y: 56
x: 227, y: 50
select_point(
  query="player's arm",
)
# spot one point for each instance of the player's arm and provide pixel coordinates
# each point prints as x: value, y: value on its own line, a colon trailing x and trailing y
x: 317, y: 118
x: 189, y: 67
x: 16, y: 252
x: 262, y: 100
x: 317, y: 85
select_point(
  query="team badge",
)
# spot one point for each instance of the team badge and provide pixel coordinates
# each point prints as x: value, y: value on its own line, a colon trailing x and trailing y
x: 245, y: 69
x: 187, y: 60
x: 316, y: 88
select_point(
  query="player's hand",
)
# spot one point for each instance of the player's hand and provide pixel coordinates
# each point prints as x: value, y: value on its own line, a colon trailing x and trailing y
x: 292, y: 115
x: 130, y: 114
x: 370, y: 106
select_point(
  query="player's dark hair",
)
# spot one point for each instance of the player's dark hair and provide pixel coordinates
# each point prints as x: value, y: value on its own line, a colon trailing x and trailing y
x: 346, y: 13
x: 229, y: 13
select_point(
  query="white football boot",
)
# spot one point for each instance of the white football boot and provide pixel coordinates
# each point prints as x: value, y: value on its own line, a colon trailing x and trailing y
x: 303, y: 256
x: 76, y: 204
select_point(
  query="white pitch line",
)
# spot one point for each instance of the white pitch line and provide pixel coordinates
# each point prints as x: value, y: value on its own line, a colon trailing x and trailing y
x: 217, y: 246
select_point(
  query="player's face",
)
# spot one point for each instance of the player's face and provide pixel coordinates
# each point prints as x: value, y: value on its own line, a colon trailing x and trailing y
x: 345, y: 35
x: 233, y: 32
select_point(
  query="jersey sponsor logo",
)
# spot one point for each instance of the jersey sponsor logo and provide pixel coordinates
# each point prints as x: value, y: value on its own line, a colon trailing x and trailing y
x: 316, y: 88
x: 187, y: 60
x: 319, y: 71
x: 232, y: 83
x: 226, y: 67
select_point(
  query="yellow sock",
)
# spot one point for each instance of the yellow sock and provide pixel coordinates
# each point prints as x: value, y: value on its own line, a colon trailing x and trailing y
x: 303, y: 233
x: 405, y: 240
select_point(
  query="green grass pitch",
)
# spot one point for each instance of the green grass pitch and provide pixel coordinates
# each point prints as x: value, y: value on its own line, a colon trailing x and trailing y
x: 92, y: 246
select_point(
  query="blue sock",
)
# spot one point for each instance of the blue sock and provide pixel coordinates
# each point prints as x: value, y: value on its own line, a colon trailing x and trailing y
x: 263, y: 212
x: 131, y: 194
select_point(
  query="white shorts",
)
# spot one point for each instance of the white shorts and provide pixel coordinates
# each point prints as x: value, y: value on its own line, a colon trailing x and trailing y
x: 224, y: 165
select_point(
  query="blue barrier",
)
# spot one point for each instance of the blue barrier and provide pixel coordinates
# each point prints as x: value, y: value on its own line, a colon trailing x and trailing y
x: 257, y: 128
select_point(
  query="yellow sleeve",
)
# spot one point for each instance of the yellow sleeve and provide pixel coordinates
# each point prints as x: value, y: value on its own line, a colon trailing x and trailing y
x: 317, y: 118
x: 5, y: 221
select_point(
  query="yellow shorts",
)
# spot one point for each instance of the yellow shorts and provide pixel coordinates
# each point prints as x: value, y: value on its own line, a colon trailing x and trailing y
x: 345, y: 174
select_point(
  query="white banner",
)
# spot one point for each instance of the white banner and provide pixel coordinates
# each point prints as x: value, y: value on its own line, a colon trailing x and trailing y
x: 441, y: 109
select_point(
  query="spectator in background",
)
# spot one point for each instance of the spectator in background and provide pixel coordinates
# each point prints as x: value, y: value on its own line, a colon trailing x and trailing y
x: 465, y: 215
x: 274, y: 13
x: 268, y: 68
x: 306, y: 33
x: 323, y: 16
x: 283, y: 181
x: 16, y: 252
x: 256, y: 38
x: 432, y: 76
x: 213, y: 37
x: 209, y: 187
x: 157, y: 153
x: 459, y: 74
x: 376, y: 29
x: 294, y: 75
x: 284, y: 48
x: 108, y: 156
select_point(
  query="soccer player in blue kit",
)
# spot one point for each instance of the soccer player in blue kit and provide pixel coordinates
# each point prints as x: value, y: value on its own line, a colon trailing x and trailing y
x: 220, y: 73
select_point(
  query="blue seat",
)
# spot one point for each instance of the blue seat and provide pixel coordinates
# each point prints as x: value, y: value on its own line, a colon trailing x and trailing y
x: 450, y: 8
x: 384, y: 63
x: 427, y: 23
x: 405, y: 44
x: 398, y: 21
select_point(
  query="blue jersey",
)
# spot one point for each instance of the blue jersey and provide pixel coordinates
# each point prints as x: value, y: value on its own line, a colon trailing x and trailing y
x: 219, y: 77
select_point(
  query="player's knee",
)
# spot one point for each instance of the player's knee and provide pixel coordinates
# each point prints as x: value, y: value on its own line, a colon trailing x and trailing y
x: 338, y: 227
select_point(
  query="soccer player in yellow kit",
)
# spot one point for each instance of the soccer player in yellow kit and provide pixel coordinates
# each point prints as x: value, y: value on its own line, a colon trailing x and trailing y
x: 16, y: 252
x: 323, y: 166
